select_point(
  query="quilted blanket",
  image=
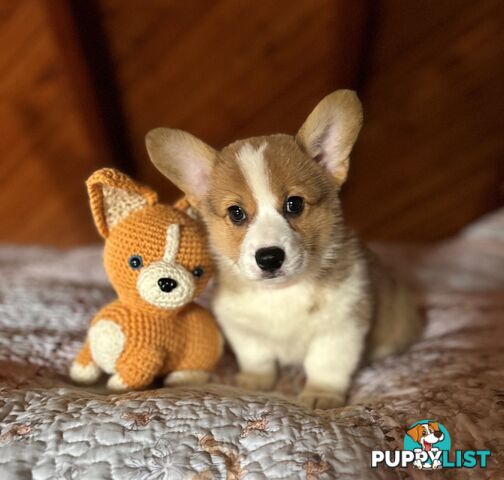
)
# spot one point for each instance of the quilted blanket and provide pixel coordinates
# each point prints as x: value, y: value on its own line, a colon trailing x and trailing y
x: 52, y: 429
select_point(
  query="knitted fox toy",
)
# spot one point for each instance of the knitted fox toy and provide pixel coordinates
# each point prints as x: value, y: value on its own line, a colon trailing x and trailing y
x: 157, y: 261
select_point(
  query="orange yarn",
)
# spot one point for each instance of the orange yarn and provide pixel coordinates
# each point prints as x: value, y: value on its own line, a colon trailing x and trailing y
x: 153, y: 328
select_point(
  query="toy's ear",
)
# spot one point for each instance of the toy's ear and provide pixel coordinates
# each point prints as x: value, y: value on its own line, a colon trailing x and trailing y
x: 183, y: 205
x: 330, y: 131
x: 113, y: 196
x: 183, y: 159
x: 415, y: 432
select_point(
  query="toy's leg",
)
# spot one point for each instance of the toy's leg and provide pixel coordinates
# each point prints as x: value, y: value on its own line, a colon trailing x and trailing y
x: 136, y: 368
x: 188, y: 361
x: 84, y: 369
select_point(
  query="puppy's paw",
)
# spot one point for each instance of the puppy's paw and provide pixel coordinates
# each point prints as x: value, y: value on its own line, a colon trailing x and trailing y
x: 85, y: 374
x: 318, y: 399
x: 186, y: 377
x: 255, y: 381
x: 116, y: 383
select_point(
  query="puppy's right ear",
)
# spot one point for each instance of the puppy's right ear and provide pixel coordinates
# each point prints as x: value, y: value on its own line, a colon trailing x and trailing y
x: 183, y: 159
x: 330, y: 131
x: 113, y: 196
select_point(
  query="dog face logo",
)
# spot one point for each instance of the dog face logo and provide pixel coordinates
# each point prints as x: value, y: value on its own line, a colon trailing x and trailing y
x: 429, y: 437
x: 426, y: 434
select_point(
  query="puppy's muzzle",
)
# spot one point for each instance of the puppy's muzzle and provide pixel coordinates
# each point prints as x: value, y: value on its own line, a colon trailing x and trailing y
x: 270, y: 259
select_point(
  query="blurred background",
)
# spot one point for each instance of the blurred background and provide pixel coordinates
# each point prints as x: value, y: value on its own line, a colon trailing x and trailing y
x: 81, y: 83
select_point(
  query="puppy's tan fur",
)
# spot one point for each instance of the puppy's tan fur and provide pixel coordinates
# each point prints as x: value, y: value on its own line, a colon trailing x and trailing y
x: 330, y: 295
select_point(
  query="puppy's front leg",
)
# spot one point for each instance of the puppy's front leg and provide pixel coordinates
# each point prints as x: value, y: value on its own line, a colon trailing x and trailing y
x: 256, y: 361
x: 329, y: 366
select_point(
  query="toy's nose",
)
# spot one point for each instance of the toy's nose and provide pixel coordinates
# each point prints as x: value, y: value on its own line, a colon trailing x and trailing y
x: 438, y: 434
x: 270, y: 259
x: 167, y: 284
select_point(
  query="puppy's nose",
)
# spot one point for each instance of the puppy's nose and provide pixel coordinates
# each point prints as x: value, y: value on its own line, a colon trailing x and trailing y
x: 167, y: 284
x: 270, y: 259
x: 438, y: 434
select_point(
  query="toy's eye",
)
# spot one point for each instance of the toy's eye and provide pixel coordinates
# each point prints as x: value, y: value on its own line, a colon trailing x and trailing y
x: 294, y: 205
x: 237, y: 214
x: 198, y: 272
x: 135, y: 262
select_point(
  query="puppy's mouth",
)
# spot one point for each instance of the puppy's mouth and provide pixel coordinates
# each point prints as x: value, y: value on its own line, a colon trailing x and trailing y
x: 273, y: 278
x: 272, y: 275
x: 281, y: 278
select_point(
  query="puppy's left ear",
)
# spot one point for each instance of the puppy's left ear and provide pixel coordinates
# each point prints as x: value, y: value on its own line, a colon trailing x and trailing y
x: 184, y: 159
x: 434, y: 425
x: 330, y: 131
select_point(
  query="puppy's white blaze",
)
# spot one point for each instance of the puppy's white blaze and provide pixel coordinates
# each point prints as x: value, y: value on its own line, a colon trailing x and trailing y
x: 268, y: 224
x: 257, y: 175
x: 269, y: 228
x: 172, y: 243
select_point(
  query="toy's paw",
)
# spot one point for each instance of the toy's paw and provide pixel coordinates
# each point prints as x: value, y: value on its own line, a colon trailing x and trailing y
x: 116, y: 383
x: 255, y: 381
x: 186, y: 377
x: 86, y: 374
x: 313, y: 398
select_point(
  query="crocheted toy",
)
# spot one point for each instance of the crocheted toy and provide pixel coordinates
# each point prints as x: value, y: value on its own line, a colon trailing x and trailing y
x: 157, y: 260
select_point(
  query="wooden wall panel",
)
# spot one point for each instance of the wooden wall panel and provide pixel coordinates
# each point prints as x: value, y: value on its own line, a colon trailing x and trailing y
x: 46, y: 150
x: 430, y: 158
x: 431, y: 155
x: 228, y: 69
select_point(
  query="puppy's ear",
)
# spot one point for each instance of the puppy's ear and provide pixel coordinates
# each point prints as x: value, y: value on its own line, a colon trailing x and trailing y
x: 113, y: 196
x: 183, y: 159
x: 415, y: 432
x: 330, y: 131
x: 434, y: 425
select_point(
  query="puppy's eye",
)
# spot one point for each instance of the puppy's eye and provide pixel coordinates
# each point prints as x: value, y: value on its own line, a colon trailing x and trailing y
x: 236, y: 214
x: 198, y: 272
x: 294, y: 205
x: 135, y: 262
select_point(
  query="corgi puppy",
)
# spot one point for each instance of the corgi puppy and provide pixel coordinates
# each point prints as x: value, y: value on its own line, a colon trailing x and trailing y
x: 294, y: 285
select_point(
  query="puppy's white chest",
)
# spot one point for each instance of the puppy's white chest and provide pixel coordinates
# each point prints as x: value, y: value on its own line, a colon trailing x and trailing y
x: 286, y: 320
x: 279, y: 317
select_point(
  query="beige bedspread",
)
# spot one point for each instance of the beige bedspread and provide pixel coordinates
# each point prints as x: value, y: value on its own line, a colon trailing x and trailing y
x: 51, y: 429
